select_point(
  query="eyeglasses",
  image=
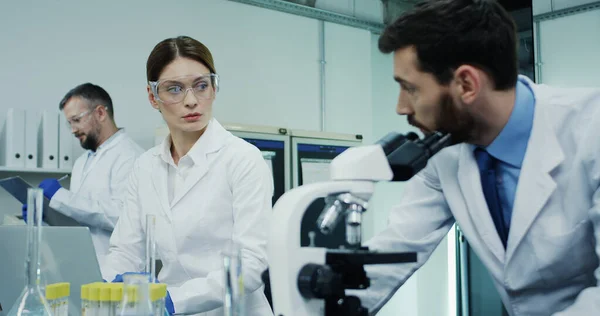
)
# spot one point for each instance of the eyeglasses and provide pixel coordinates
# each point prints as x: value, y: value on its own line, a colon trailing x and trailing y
x: 77, y: 120
x: 170, y: 91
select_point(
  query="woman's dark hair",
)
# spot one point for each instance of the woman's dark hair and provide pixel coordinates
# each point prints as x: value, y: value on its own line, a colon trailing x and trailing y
x: 171, y: 48
x: 449, y: 33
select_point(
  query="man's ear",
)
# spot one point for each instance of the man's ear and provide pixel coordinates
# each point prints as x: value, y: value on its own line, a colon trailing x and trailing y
x: 467, y: 82
x: 103, y: 111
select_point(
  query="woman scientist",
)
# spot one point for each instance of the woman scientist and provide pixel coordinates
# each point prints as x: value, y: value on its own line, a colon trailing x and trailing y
x: 206, y: 187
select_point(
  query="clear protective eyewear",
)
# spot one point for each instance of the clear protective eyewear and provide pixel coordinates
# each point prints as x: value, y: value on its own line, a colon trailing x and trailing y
x: 78, y: 119
x: 174, y: 90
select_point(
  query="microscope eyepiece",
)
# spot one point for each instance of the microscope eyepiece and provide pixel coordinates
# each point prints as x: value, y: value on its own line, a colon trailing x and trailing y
x: 407, y: 155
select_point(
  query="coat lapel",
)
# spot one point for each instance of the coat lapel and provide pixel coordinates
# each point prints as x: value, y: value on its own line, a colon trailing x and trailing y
x: 196, y: 174
x: 470, y: 184
x: 99, y: 154
x: 214, y: 138
x: 76, y: 174
x: 160, y: 183
x: 535, y: 185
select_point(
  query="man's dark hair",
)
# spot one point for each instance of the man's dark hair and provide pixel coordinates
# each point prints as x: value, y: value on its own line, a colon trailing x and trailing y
x: 449, y: 33
x: 94, y: 94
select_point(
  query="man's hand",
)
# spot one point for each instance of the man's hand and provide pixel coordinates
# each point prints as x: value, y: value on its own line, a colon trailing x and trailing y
x: 50, y: 186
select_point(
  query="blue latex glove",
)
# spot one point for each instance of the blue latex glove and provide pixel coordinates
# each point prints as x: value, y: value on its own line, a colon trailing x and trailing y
x: 24, y: 213
x: 169, y: 304
x: 50, y: 187
x: 168, y: 301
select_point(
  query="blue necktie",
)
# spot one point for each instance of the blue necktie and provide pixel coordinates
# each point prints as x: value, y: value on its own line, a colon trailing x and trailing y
x: 487, y: 170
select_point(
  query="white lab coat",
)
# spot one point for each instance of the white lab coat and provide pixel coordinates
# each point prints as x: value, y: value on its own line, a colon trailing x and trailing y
x: 226, y: 196
x: 96, y: 196
x: 548, y: 266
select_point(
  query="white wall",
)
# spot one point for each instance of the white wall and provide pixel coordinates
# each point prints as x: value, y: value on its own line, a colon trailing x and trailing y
x: 348, y: 80
x: 268, y: 60
x: 569, y: 50
x: 546, y: 6
x: 368, y: 10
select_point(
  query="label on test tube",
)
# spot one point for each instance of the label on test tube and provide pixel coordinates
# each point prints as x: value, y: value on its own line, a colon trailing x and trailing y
x: 85, y: 290
x: 104, y: 298
x: 116, y: 295
x: 67, y: 295
x: 52, y: 296
x: 94, y: 294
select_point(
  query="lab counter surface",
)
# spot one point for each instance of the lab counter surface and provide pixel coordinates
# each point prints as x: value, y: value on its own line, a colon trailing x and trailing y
x: 66, y: 255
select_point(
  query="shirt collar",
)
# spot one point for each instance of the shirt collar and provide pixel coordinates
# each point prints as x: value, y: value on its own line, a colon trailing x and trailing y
x: 197, y: 152
x: 510, y: 145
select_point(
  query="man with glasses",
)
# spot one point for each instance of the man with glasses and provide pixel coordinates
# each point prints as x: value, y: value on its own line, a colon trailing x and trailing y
x: 98, y: 179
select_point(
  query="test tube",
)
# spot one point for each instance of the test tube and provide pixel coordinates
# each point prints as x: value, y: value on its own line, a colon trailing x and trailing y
x: 116, y: 295
x: 162, y: 294
x: 151, y: 247
x: 52, y: 296
x: 67, y: 289
x: 158, y: 292
x: 85, y: 290
x: 94, y: 295
x: 154, y: 298
x: 104, y: 305
x: 63, y: 291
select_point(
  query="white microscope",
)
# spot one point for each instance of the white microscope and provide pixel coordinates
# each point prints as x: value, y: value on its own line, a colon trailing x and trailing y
x: 312, y: 281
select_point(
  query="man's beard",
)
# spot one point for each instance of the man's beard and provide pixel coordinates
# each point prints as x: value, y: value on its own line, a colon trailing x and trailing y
x: 91, y: 141
x: 450, y: 119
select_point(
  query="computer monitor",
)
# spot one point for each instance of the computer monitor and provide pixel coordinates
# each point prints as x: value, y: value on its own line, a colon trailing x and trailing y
x: 67, y: 255
x: 311, y: 160
x: 276, y: 152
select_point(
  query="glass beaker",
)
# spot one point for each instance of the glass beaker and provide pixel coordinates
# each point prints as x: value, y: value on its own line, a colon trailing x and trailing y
x: 136, y: 296
x: 233, y: 278
x: 32, y: 301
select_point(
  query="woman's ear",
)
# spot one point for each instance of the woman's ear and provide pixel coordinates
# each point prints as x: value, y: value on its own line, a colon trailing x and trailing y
x: 152, y: 99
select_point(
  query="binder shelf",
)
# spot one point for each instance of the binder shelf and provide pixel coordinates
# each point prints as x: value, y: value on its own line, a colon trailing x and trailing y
x: 34, y: 170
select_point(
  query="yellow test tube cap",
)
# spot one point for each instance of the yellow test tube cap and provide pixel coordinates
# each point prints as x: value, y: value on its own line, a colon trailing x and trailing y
x: 52, y: 291
x: 116, y: 292
x: 85, y: 291
x: 64, y: 289
x: 104, y: 295
x: 158, y: 291
x: 94, y: 294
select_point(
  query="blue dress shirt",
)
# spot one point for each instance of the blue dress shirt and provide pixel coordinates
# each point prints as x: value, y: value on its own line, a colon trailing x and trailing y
x: 509, y: 148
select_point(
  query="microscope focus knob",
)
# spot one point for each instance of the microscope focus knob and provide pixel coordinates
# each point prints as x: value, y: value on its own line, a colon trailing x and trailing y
x: 319, y: 281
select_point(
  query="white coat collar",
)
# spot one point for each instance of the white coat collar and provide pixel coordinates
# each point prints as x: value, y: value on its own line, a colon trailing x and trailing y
x: 214, y: 138
x: 536, y: 183
x: 111, y: 142
x: 535, y: 186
